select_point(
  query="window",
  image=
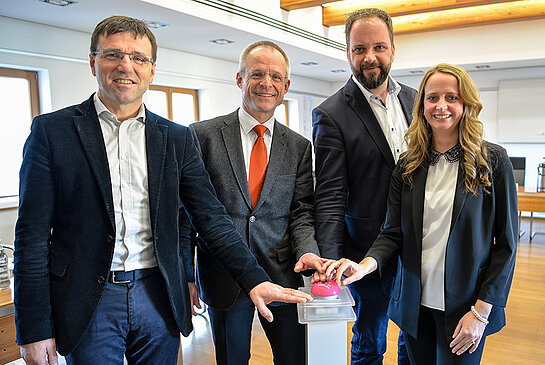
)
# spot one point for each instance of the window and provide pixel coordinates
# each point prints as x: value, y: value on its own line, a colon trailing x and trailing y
x: 174, y: 103
x: 18, y: 95
x: 281, y: 113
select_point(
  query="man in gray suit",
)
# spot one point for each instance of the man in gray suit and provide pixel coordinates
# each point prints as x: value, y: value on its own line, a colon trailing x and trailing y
x: 272, y: 208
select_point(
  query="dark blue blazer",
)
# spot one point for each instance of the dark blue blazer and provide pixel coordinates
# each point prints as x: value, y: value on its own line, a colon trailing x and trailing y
x: 65, y: 233
x: 354, y: 164
x: 481, y: 248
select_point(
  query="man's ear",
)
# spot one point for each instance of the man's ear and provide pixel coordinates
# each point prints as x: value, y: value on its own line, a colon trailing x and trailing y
x: 239, y: 80
x: 92, y: 64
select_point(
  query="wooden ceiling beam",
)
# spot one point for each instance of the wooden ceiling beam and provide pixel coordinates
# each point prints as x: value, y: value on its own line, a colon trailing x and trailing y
x: 335, y: 14
x: 496, y: 13
x: 300, y: 4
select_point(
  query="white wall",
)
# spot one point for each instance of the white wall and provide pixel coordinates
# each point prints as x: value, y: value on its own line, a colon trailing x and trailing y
x: 61, y: 56
x: 534, y: 152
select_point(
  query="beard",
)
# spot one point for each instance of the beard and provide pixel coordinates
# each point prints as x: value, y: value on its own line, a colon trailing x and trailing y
x: 372, y: 81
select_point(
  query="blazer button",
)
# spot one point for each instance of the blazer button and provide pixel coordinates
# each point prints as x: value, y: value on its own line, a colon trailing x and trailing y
x: 101, y: 280
x: 252, y: 219
x: 110, y: 238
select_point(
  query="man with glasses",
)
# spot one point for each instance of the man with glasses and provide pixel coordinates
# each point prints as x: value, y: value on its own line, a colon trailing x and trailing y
x: 100, y: 271
x: 262, y: 173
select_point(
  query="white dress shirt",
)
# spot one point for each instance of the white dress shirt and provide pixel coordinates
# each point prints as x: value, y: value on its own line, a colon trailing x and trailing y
x: 436, y: 221
x: 249, y: 136
x: 126, y: 149
x: 389, y: 115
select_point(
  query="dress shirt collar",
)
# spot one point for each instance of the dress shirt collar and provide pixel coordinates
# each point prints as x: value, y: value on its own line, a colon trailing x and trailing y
x: 103, y: 112
x: 393, y: 88
x: 247, y: 122
x: 452, y: 155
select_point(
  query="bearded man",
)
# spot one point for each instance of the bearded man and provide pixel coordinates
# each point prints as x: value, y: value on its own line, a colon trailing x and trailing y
x: 358, y: 138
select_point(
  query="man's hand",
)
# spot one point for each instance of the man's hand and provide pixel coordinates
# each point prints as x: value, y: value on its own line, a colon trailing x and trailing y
x: 267, y: 292
x: 40, y: 353
x: 194, y: 297
x: 310, y: 261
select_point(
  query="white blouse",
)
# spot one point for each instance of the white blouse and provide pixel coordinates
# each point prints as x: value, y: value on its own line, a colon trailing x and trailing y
x: 438, y: 205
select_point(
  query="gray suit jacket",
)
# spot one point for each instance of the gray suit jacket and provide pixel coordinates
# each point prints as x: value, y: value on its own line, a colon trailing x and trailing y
x: 280, y: 228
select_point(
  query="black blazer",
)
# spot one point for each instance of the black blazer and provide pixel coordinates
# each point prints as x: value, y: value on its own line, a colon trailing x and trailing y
x: 66, y: 231
x: 475, y: 267
x: 280, y: 228
x: 353, y: 168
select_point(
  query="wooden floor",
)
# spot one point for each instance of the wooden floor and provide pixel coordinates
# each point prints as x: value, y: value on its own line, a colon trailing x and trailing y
x: 521, y: 342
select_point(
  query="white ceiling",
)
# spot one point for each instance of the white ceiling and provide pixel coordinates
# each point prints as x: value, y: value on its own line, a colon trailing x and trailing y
x: 184, y: 33
x: 192, y: 34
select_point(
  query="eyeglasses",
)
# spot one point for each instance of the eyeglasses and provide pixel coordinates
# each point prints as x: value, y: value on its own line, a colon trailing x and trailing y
x: 260, y: 75
x: 113, y: 55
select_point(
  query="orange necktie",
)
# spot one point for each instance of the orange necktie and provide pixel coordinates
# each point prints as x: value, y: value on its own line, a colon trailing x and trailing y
x: 258, y: 164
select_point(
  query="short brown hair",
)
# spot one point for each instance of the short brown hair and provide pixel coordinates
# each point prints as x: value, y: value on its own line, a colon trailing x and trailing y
x: 119, y: 24
x: 366, y: 14
x: 250, y: 47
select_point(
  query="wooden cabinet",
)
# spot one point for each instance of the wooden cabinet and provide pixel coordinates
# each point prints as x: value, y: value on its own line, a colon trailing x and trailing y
x: 9, y: 350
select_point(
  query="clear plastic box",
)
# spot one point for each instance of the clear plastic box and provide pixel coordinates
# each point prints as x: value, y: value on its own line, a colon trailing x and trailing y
x: 327, y: 309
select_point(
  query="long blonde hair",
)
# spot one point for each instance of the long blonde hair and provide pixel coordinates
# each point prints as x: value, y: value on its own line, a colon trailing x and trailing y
x: 470, y: 132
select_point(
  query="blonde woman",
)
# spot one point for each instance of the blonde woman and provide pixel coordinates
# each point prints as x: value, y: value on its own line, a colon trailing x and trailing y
x: 452, y: 222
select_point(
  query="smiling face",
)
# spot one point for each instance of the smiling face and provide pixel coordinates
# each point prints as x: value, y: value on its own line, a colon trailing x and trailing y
x: 261, y: 95
x: 443, y: 106
x: 121, y: 84
x: 371, y: 52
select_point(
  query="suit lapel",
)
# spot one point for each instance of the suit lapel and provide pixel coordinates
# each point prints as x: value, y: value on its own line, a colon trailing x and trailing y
x: 459, y: 196
x: 278, y: 149
x: 233, y: 145
x: 92, y: 141
x: 356, y: 100
x: 418, y: 191
x: 156, y: 146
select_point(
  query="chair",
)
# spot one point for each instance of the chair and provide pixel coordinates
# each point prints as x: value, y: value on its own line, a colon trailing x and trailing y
x: 519, y: 167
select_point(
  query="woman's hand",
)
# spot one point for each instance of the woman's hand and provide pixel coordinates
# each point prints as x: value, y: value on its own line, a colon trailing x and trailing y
x: 335, y: 269
x: 470, y: 329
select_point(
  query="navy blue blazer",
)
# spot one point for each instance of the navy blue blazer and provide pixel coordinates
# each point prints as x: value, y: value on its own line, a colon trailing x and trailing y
x: 65, y: 233
x: 481, y: 249
x: 354, y: 164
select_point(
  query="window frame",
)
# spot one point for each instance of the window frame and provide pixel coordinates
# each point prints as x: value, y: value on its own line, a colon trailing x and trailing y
x: 11, y: 201
x: 32, y: 78
x: 169, y: 90
x: 285, y: 102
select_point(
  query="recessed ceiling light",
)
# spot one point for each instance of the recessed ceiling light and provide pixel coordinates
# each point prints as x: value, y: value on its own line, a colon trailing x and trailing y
x: 310, y: 63
x: 416, y: 71
x: 480, y: 67
x: 340, y: 70
x: 59, y: 2
x: 156, y: 25
x: 221, y: 41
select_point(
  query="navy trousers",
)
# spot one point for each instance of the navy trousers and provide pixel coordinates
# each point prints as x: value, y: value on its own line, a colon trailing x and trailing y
x: 372, y: 295
x: 432, y: 345
x: 232, y: 328
x: 132, y: 319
